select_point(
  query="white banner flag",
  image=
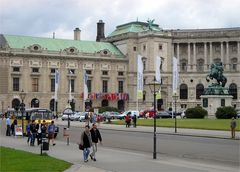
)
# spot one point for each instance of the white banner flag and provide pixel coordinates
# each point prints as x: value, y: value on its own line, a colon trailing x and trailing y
x: 85, y: 92
x: 139, y: 77
x: 175, y: 75
x: 157, y: 69
x: 57, y: 75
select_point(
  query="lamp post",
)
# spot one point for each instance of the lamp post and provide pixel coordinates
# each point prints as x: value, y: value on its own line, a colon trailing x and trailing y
x: 154, y: 87
x: 22, y: 95
x: 175, y: 96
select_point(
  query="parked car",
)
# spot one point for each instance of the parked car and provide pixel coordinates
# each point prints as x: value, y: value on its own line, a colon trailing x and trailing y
x: 82, y: 116
x: 238, y: 114
x: 65, y: 117
x: 75, y: 117
x: 147, y: 114
x: 163, y: 114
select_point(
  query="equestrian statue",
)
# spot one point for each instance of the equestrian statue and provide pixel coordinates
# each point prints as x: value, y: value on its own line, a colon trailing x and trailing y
x: 217, y: 73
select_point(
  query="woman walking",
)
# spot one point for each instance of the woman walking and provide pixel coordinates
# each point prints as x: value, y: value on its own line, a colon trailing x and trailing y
x: 86, y: 141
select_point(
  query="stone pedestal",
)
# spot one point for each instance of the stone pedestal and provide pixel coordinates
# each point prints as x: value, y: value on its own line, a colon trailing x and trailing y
x: 212, y: 102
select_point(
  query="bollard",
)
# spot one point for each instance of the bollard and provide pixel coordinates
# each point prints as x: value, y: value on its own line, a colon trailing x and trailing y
x: 66, y: 134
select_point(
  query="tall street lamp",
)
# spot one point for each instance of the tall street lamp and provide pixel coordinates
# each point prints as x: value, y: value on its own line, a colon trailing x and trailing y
x: 175, y: 97
x: 154, y: 87
x: 22, y: 95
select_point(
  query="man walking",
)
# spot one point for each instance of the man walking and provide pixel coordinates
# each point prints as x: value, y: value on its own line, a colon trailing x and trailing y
x: 233, y: 126
x: 95, y: 134
x: 8, y: 123
x: 51, y: 132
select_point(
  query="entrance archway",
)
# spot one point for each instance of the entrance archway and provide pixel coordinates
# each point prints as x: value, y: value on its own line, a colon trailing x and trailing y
x: 35, y: 103
x: 15, y: 103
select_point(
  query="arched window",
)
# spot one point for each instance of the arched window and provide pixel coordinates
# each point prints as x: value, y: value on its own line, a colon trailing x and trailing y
x: 199, y: 90
x: 183, y: 91
x: 233, y: 65
x: 233, y: 90
x: 121, y: 105
x: 15, y: 103
x: 104, y: 103
x: 35, y: 103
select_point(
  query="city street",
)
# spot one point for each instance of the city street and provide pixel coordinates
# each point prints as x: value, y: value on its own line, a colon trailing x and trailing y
x: 202, y: 149
x: 128, y: 151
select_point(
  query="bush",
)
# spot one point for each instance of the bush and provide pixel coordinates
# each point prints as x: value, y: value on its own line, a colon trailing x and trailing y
x: 226, y: 112
x: 196, y: 112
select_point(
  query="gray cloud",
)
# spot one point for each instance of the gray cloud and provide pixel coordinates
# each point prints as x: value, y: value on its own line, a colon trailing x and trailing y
x: 42, y: 17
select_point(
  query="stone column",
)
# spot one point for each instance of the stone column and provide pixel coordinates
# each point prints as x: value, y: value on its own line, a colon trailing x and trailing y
x: 227, y: 56
x: 205, y: 56
x: 211, y: 54
x: 238, y: 50
x: 178, y: 50
x: 189, y: 57
x: 194, y: 56
x: 222, y: 60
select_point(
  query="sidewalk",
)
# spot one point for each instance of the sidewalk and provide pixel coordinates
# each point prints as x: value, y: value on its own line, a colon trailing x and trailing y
x: 117, y: 160
x: 159, y: 130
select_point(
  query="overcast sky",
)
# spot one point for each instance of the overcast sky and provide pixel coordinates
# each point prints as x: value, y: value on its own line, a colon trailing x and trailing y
x: 43, y: 17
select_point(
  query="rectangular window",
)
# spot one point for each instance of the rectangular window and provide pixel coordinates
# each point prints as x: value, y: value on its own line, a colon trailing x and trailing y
x: 105, y: 86
x: 35, y: 85
x: 89, y: 85
x: 104, y: 72
x: 15, y: 84
x: 16, y: 69
x: 53, y: 70
x: 120, y: 73
x: 205, y: 102
x: 120, y: 86
x: 71, y: 71
x: 222, y: 102
x: 144, y: 47
x: 144, y: 65
x: 134, y: 48
x: 52, y: 85
x: 89, y: 72
x: 35, y: 70
x: 160, y: 47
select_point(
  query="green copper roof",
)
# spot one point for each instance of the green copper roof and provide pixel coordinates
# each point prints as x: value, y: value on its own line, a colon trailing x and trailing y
x: 60, y: 44
x: 134, y: 27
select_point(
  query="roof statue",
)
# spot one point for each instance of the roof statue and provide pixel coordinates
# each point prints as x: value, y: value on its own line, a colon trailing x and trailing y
x: 150, y: 24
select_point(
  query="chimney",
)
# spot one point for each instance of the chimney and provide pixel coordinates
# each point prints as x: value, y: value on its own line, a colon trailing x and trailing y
x: 100, y: 31
x: 77, y: 33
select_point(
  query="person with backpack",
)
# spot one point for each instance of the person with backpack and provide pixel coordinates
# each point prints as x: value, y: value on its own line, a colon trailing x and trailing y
x: 51, y: 132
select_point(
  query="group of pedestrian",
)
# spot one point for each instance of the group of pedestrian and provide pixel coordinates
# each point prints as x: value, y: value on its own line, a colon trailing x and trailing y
x: 89, y: 139
x: 128, y: 120
x: 40, y: 131
x: 11, y: 126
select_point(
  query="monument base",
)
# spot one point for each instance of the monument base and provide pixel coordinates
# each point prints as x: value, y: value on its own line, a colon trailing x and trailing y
x: 212, y: 102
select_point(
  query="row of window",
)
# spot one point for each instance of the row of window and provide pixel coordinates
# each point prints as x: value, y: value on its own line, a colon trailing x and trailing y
x: 70, y: 71
x: 144, y: 47
x: 35, y: 85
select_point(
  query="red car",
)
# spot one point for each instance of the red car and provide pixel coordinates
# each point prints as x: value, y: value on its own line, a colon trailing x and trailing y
x: 147, y: 114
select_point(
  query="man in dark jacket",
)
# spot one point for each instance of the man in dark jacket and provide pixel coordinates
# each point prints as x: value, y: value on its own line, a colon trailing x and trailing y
x: 95, y: 134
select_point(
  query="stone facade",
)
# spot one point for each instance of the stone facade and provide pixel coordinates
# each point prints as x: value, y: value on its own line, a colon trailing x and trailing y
x: 195, y: 49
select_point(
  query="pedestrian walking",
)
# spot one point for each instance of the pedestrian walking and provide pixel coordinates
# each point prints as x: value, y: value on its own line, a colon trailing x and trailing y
x: 8, y: 124
x: 128, y: 120
x: 13, y: 125
x: 44, y: 129
x: 39, y: 132
x: 86, y: 142
x: 28, y: 131
x: 135, y: 121
x: 33, y: 132
x: 51, y: 132
x: 233, y: 126
x: 95, y: 135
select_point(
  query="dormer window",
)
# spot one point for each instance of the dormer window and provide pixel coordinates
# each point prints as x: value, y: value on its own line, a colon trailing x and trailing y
x: 71, y: 50
x: 105, y: 52
x: 35, y: 48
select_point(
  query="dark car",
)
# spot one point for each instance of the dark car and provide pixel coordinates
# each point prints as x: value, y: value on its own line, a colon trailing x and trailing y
x: 164, y: 114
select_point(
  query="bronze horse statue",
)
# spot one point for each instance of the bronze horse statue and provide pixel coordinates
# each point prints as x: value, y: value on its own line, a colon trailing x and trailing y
x: 217, y: 73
